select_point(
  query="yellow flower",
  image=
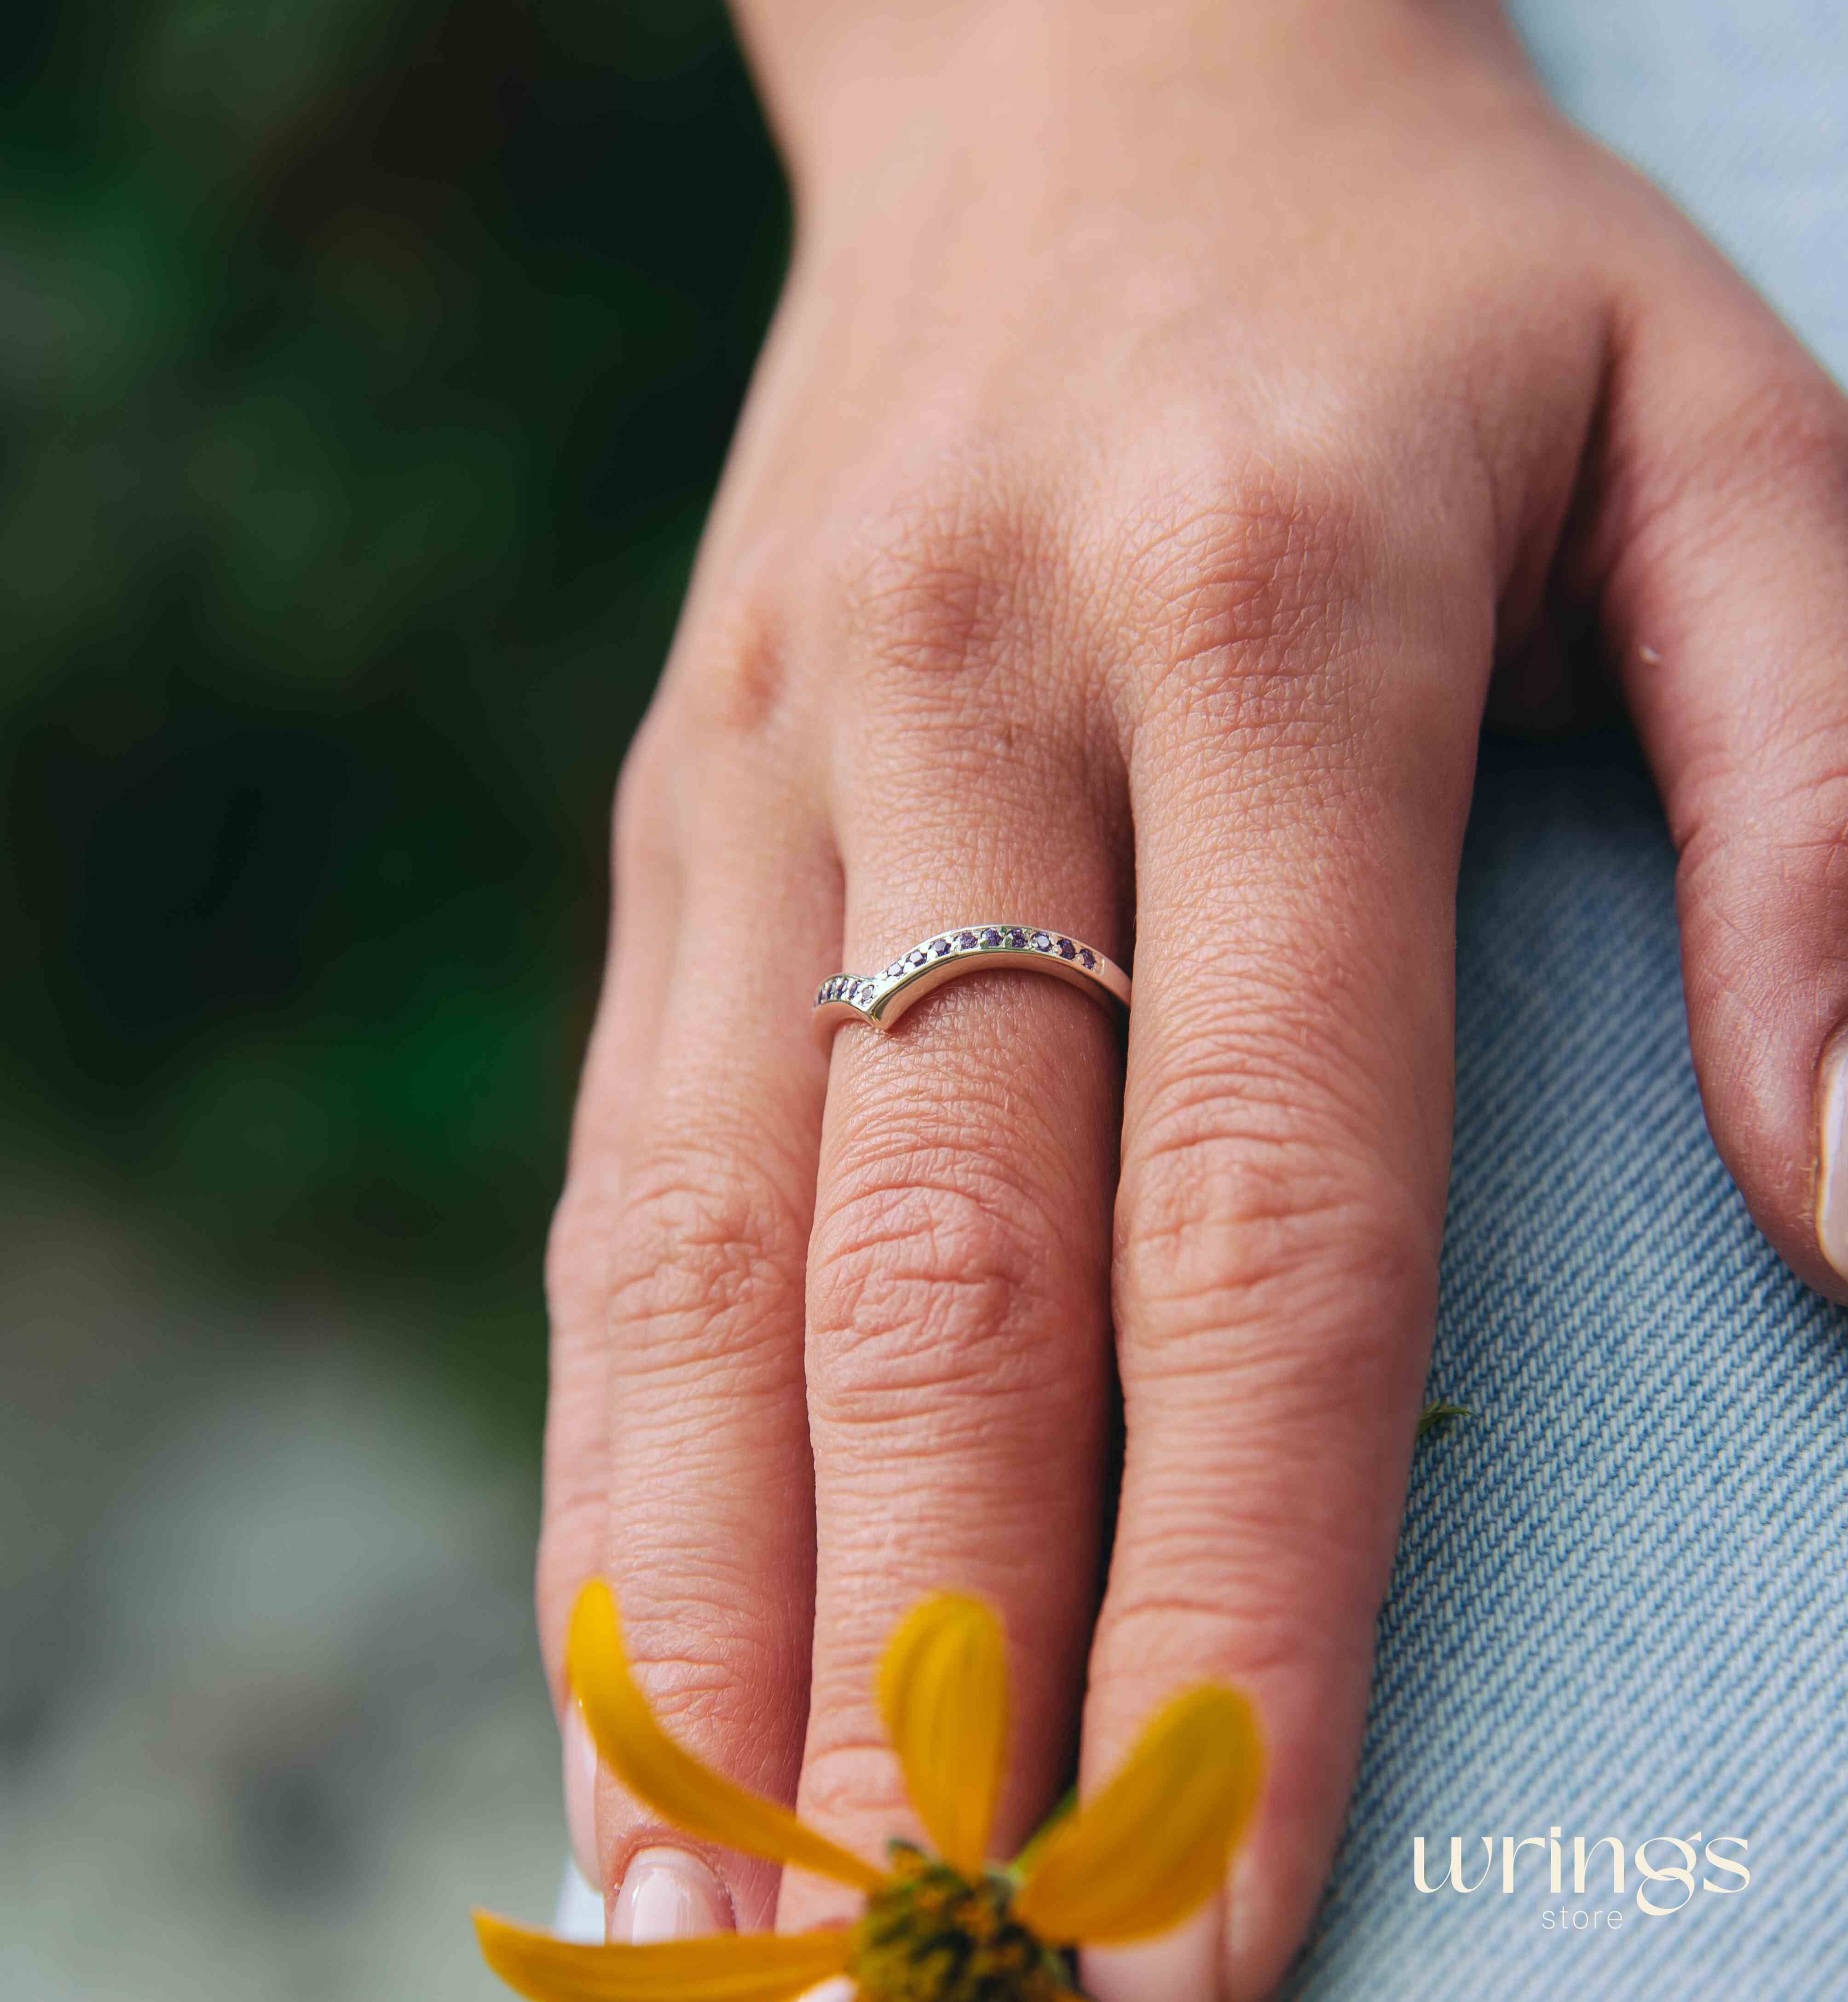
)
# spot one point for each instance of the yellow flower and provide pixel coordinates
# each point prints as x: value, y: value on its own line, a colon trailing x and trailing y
x: 1133, y: 1861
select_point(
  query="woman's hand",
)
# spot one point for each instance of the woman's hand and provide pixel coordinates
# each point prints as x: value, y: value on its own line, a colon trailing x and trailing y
x: 1175, y: 414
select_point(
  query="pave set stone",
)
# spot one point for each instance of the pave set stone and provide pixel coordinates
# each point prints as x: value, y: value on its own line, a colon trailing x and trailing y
x: 861, y: 993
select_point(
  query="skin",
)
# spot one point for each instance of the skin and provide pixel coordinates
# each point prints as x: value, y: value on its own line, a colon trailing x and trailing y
x: 1176, y: 416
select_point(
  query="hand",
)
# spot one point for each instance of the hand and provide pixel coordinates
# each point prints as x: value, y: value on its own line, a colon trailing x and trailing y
x: 1175, y: 414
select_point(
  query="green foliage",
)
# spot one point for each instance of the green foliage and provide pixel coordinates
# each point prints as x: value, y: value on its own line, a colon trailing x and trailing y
x: 363, y: 373
x: 1436, y: 1417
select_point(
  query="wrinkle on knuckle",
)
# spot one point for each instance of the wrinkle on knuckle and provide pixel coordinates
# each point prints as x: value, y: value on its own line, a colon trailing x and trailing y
x: 852, y: 1782
x: 706, y: 1265
x: 1248, y: 1622
x: 947, y: 582
x: 926, y: 1280
x: 716, y: 1694
x: 733, y: 679
x: 1244, y: 591
x: 1784, y: 435
x: 1307, y: 1256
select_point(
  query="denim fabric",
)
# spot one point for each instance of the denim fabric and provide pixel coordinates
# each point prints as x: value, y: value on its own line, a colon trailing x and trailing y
x: 1737, y: 108
x: 1621, y: 1601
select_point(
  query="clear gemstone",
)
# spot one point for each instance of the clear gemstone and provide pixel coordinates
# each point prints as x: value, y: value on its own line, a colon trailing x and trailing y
x: 893, y: 971
x: 1041, y: 942
x: 939, y: 946
x: 917, y: 956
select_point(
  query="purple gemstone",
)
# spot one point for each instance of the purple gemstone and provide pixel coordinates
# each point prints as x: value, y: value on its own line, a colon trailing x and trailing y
x: 991, y: 936
x: 1041, y: 942
x: 1086, y: 958
x: 1014, y: 940
x: 1066, y: 949
x: 965, y: 941
x: 917, y: 956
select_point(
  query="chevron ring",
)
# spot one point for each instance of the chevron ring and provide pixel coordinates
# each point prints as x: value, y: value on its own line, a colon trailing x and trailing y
x: 881, y: 998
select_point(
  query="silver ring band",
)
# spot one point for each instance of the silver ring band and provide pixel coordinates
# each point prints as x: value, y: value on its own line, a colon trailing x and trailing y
x: 881, y: 998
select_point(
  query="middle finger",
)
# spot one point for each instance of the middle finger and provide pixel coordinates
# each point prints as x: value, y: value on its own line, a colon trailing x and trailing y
x: 959, y: 1360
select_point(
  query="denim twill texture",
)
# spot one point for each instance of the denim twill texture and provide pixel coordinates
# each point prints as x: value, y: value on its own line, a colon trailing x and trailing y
x: 1621, y: 1601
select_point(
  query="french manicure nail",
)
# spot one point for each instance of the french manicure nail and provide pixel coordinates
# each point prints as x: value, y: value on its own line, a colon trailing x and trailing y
x: 1831, y: 1172
x: 668, y: 1895
x: 580, y: 1792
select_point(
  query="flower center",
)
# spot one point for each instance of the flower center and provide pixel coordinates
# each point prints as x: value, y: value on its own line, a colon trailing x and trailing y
x: 930, y: 1935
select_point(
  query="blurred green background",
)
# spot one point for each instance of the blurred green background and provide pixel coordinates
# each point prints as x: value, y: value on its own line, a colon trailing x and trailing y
x: 364, y: 371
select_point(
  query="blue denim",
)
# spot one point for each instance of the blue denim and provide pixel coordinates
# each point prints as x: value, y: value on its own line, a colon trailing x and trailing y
x: 1620, y: 1606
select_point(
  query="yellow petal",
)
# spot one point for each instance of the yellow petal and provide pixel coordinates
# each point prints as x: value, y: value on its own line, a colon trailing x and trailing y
x: 670, y: 1779
x: 729, y: 1967
x: 943, y: 1688
x: 1154, y: 1842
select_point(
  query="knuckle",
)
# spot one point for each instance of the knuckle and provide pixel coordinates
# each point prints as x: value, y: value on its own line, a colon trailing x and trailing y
x: 1786, y: 434
x: 734, y: 681
x: 706, y: 1269
x: 930, y: 1273
x: 642, y: 819
x: 852, y: 1783
x: 1253, y: 1214
x: 571, y: 1531
x: 1784, y: 437
x: 1242, y: 595
x: 1194, y: 1602
x: 710, y: 1677
x: 947, y: 579
x: 577, y: 1262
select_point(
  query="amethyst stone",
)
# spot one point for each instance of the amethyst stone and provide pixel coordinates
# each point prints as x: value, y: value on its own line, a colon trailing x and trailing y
x: 1066, y: 949
x: 965, y: 941
x: 991, y: 936
x: 1086, y: 958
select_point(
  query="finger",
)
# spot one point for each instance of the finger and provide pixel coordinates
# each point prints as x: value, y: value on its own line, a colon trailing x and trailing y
x: 709, y: 1538
x: 1719, y: 561
x: 1285, y: 1142
x: 645, y: 897
x: 958, y: 1343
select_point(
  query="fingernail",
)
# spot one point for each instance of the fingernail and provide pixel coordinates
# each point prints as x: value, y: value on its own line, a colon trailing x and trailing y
x: 668, y: 1895
x: 580, y: 1792
x: 836, y: 1988
x: 1831, y: 1172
